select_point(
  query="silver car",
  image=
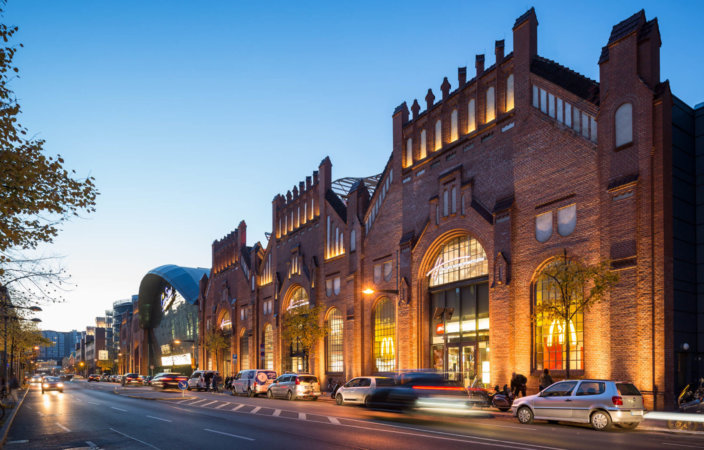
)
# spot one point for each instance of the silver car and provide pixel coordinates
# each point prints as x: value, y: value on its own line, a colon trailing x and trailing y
x: 356, y: 390
x: 599, y: 402
x: 292, y: 386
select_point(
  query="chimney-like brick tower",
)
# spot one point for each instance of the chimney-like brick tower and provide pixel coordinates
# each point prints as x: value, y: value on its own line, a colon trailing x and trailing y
x: 462, y: 76
x: 479, y: 64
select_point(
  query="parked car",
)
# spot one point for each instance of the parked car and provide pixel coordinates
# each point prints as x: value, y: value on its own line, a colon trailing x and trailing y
x: 599, y: 402
x: 422, y: 391
x: 292, y: 386
x: 132, y: 378
x: 167, y: 380
x: 52, y: 384
x: 252, y: 382
x: 93, y: 377
x: 357, y: 390
x: 194, y: 381
x: 105, y: 377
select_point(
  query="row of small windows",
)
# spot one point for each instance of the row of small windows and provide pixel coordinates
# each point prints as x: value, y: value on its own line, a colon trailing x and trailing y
x: 295, y: 218
x: 566, y: 222
x: 335, y: 240
x: 565, y: 113
x: 267, y: 274
x: 490, y: 114
x: 268, y: 306
x: 294, y: 267
x: 374, y: 209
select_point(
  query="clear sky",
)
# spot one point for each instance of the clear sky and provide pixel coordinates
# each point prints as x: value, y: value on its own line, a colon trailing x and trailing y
x: 193, y: 115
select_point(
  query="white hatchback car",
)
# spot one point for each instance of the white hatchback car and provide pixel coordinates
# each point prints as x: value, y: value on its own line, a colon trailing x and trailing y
x: 356, y: 390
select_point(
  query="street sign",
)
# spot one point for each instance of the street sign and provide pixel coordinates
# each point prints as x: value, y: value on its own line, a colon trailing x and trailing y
x: 183, y: 385
x: 234, y: 357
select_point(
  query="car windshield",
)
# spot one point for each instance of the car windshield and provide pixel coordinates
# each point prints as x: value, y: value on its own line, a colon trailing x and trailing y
x: 50, y: 379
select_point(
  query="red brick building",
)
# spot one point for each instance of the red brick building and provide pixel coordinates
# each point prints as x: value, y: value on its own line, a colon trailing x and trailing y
x: 498, y: 175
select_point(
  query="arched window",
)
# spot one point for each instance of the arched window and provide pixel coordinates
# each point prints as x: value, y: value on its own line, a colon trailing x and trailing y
x: 299, y: 297
x: 268, y: 347
x: 438, y: 135
x: 551, y: 334
x: 384, y: 320
x: 423, y: 145
x: 510, y: 102
x: 460, y: 259
x: 334, y: 340
x: 624, y: 124
x: 244, y: 350
x: 490, y: 105
x: 454, y: 131
x: 472, y: 116
x: 409, y: 153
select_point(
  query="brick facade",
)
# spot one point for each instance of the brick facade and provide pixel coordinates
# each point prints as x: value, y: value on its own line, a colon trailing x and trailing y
x: 500, y: 169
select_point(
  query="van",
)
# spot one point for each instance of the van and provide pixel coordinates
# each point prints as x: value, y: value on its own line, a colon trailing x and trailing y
x: 252, y: 382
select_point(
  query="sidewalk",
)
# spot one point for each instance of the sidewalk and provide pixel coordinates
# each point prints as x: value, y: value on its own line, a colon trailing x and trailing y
x: 10, y: 414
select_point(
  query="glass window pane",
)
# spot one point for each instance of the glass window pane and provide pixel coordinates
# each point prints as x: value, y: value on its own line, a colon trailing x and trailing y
x: 384, y: 336
x: 460, y: 259
x: 543, y: 226
x: 334, y: 338
x: 567, y: 220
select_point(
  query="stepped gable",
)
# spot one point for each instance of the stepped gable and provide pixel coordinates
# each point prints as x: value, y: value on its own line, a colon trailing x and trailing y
x: 566, y: 78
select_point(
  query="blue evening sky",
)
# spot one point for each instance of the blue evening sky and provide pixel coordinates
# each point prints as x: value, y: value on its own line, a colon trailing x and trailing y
x: 193, y: 115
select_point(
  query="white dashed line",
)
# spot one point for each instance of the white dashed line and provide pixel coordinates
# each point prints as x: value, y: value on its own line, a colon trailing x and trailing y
x: 159, y: 418
x: 208, y: 404
x: 334, y: 420
x: 238, y: 407
x: 255, y: 410
x: 301, y: 416
x: 223, y: 405
x: 63, y: 427
x: 228, y: 434
x: 276, y: 412
x: 119, y: 409
x: 197, y: 401
x: 134, y: 439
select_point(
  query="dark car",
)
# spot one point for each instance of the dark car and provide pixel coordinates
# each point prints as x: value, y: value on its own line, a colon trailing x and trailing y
x: 167, y: 380
x: 422, y: 391
x: 93, y: 377
x: 133, y: 378
x: 52, y: 384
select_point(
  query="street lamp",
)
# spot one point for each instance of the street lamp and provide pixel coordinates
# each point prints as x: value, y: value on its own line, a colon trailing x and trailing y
x: 370, y: 291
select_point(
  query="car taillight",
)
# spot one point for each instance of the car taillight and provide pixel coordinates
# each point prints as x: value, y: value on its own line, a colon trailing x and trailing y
x: 254, y: 385
x: 617, y: 400
x: 440, y: 388
x: 298, y: 381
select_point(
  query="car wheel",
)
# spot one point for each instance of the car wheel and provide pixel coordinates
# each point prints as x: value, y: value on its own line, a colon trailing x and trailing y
x: 289, y: 395
x: 339, y: 400
x: 269, y: 394
x: 367, y: 402
x: 628, y: 426
x: 525, y: 415
x: 600, y: 420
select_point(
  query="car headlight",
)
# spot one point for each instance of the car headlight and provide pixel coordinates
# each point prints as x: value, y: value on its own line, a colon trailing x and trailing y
x: 46, y: 385
x: 60, y: 385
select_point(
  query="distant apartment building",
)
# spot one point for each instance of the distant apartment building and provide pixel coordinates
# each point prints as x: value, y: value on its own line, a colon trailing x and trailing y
x: 64, y: 343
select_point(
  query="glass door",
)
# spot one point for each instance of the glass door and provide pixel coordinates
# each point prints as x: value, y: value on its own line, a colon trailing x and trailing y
x: 453, y: 363
x: 468, y: 364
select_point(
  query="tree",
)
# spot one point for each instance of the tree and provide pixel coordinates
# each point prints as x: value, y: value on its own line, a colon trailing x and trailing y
x: 216, y: 341
x: 577, y: 287
x: 37, y: 193
x: 302, y: 326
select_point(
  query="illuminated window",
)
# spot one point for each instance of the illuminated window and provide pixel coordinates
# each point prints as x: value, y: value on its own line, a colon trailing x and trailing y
x: 384, y: 321
x: 490, y: 105
x: 423, y: 145
x: 509, y: 93
x: 454, y: 129
x: 334, y: 341
x: 460, y: 259
x: 438, y: 135
x: 624, y: 124
x: 244, y: 350
x: 299, y: 297
x: 268, y: 347
x: 472, y: 116
x: 551, y: 335
x: 409, y: 152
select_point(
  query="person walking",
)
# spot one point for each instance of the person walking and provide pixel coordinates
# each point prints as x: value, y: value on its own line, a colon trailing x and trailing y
x: 545, y: 379
x: 208, y: 380
x: 216, y: 381
x: 518, y: 384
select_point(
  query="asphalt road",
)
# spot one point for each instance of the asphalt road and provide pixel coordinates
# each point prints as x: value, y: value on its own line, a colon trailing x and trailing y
x: 93, y: 416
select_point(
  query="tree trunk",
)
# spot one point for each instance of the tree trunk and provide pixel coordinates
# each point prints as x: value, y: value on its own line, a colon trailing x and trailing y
x: 567, y: 347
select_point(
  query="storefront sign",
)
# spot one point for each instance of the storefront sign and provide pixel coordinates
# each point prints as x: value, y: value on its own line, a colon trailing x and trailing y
x: 176, y: 360
x: 440, y: 328
x: 442, y: 267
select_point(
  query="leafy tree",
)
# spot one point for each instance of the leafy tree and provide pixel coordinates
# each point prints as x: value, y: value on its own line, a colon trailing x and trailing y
x: 37, y: 193
x: 302, y: 326
x: 577, y: 287
x: 216, y: 341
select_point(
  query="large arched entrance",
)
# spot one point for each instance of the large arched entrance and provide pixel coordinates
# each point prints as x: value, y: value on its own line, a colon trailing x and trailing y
x: 225, y: 325
x: 459, y: 310
x: 295, y: 358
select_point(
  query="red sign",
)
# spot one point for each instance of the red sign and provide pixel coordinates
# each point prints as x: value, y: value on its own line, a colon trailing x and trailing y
x: 440, y: 328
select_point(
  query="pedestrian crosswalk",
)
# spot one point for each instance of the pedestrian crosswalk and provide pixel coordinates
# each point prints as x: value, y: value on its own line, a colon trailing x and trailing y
x: 259, y: 410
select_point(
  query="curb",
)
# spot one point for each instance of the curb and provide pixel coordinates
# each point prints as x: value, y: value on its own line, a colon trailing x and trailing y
x: 8, y: 423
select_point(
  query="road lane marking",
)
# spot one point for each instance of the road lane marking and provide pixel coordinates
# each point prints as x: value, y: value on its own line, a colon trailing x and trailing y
x: 276, y: 412
x: 91, y: 444
x: 223, y: 405
x: 63, y: 427
x: 334, y: 420
x: 255, y: 410
x: 228, y: 434
x: 301, y: 416
x: 198, y: 401
x: 134, y: 439
x: 119, y: 409
x: 92, y: 403
x: 208, y: 404
x: 237, y: 407
x: 186, y: 400
x: 21, y: 441
x: 681, y: 445
x: 159, y: 418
